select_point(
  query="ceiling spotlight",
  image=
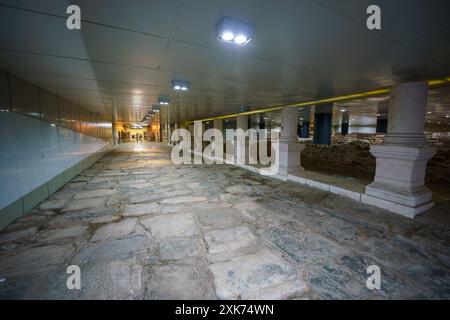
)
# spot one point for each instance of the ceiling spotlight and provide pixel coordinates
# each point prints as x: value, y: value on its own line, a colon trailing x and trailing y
x: 227, y: 28
x: 240, y: 39
x: 163, y: 100
x: 180, y: 85
x: 343, y: 110
x: 227, y: 36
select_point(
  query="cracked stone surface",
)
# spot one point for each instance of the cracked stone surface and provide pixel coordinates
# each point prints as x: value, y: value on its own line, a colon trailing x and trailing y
x: 140, y: 209
x: 174, y: 225
x: 140, y: 227
x: 226, y: 243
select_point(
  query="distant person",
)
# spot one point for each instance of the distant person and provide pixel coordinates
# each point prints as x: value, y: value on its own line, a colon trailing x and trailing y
x: 140, y: 137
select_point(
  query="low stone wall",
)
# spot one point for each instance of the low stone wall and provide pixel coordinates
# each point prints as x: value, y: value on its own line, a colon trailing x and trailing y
x: 354, y: 159
x: 438, y: 168
x: 351, y: 158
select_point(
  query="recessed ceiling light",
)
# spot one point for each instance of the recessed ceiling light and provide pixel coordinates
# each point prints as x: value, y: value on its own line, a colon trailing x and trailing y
x: 180, y: 85
x: 163, y: 100
x: 227, y: 36
x: 227, y: 28
x: 343, y: 110
x: 240, y: 39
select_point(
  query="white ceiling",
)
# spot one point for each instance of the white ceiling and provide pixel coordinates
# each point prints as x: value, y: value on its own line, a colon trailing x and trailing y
x: 128, y: 52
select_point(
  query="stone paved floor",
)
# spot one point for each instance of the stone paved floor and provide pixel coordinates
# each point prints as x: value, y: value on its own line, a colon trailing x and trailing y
x: 142, y: 228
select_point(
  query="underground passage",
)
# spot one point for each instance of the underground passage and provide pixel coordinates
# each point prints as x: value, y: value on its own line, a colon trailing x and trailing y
x: 224, y: 150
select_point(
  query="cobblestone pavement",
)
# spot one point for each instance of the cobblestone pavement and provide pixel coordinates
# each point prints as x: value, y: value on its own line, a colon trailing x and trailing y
x: 141, y: 228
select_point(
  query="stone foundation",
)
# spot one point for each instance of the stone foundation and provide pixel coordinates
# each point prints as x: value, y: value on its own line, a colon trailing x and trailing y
x: 355, y: 159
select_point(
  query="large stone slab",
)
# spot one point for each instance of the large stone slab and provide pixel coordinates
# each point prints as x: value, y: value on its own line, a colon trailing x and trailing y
x: 263, y: 275
x: 184, y: 199
x: 114, y: 249
x: 240, y: 189
x: 140, y: 209
x: 17, y: 235
x: 34, y: 260
x: 53, y: 204
x: 179, y: 282
x: 115, y: 230
x: 180, y: 248
x: 95, y: 193
x: 131, y: 182
x: 60, y: 234
x: 147, y: 185
x: 105, y: 280
x: 227, y: 243
x: 85, y: 204
x: 140, y: 198
x: 171, y: 225
x: 218, y: 218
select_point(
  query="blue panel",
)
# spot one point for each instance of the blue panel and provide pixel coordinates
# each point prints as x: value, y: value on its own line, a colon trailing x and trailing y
x: 322, y: 128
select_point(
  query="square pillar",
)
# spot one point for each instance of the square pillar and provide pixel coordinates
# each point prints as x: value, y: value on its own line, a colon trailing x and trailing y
x: 399, y: 184
x: 345, y: 123
x: 290, y: 149
x: 241, y: 150
x: 322, y: 123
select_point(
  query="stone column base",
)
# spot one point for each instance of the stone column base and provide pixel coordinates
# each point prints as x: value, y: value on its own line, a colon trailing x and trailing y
x: 406, y: 211
x: 290, y: 157
x: 399, y: 184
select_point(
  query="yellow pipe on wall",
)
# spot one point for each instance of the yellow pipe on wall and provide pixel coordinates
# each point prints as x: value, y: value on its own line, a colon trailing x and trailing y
x: 378, y: 92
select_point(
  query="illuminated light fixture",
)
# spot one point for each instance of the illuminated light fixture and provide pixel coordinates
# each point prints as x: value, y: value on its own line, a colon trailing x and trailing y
x: 227, y: 36
x: 180, y: 85
x: 163, y: 100
x: 240, y: 39
x: 234, y: 31
x: 343, y: 110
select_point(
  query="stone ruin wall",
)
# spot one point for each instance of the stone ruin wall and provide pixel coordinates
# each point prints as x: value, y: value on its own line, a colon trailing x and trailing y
x: 354, y: 159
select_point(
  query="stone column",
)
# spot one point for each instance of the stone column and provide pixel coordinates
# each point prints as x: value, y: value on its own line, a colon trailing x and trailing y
x: 168, y: 126
x: 198, y: 142
x: 255, y: 119
x: 290, y: 149
x: 241, y: 150
x: 115, y: 135
x: 399, y: 184
x: 218, y: 124
x: 322, y: 123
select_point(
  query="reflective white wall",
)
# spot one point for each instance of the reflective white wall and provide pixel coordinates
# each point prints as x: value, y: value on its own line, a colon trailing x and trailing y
x: 33, y: 151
